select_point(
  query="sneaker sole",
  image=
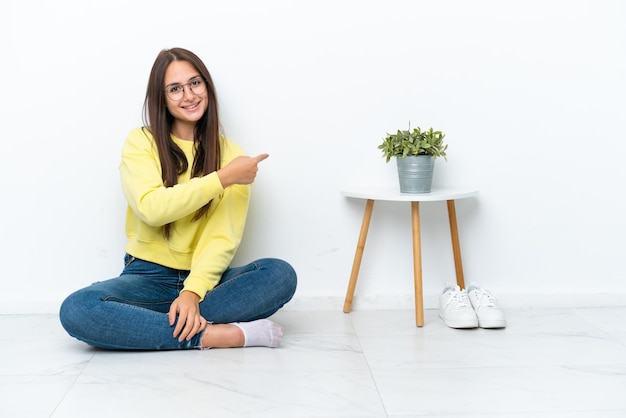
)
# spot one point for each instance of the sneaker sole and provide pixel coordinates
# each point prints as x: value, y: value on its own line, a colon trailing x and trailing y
x: 460, y: 324
x: 492, y: 324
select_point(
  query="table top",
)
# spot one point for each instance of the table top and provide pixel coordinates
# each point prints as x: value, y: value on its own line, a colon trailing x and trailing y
x: 393, y: 194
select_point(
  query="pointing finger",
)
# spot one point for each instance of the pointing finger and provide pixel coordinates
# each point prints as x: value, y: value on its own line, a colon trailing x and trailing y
x: 260, y: 157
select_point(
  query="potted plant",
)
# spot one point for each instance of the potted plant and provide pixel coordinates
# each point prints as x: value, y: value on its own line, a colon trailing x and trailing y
x: 415, y: 153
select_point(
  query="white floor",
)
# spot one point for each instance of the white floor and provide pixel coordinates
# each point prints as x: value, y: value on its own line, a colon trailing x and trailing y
x: 546, y: 363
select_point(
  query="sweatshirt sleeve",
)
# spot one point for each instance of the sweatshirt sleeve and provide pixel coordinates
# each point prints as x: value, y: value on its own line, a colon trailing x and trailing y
x: 152, y: 202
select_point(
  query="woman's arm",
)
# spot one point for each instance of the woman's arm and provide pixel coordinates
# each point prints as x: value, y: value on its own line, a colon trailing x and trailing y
x: 152, y: 202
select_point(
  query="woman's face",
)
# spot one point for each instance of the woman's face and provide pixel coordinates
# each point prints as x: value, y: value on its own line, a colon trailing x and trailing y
x: 185, y: 92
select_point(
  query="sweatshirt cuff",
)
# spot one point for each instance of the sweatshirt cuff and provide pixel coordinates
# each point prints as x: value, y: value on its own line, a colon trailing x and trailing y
x: 195, y: 286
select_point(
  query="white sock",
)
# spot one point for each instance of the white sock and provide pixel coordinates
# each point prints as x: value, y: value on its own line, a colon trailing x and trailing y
x: 260, y: 333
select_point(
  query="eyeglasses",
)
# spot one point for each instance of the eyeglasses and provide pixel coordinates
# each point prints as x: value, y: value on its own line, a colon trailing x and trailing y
x: 177, y: 91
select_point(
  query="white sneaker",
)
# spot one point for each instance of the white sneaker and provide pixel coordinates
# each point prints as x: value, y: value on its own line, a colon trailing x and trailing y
x: 455, y: 309
x: 487, y: 310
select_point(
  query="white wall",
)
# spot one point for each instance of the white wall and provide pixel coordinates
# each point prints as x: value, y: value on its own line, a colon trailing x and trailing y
x: 529, y: 93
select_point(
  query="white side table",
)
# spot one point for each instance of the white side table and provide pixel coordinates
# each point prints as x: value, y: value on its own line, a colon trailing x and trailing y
x: 371, y: 194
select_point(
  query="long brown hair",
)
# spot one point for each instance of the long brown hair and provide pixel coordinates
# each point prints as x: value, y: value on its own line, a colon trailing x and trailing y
x: 158, y: 119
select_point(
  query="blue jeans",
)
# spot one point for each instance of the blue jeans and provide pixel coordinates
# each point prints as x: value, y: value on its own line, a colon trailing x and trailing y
x: 130, y: 312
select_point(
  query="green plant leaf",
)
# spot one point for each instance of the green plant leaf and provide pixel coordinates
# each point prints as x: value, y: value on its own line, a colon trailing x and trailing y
x: 413, y: 142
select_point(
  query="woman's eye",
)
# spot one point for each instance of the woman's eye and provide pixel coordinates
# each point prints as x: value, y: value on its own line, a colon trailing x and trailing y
x: 175, y: 89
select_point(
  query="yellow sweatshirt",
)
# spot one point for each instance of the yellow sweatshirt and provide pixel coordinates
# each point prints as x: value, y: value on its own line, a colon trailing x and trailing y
x: 205, y: 247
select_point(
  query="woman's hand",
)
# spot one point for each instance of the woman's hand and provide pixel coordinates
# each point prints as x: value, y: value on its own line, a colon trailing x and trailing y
x: 187, y: 307
x: 241, y: 170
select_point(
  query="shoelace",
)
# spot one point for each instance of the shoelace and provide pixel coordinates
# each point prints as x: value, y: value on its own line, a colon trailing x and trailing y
x: 460, y: 297
x: 485, y: 297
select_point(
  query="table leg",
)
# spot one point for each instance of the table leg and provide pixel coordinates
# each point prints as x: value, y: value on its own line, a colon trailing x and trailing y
x: 417, y: 264
x: 356, y: 265
x: 456, y: 248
